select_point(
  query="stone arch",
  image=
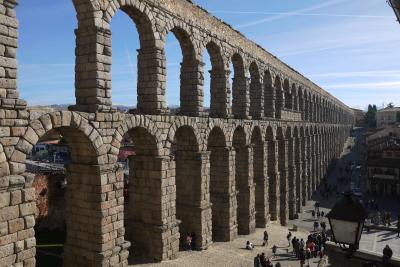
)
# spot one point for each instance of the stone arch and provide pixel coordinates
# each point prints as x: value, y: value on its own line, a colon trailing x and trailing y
x: 244, y: 182
x: 148, y: 171
x: 141, y: 15
x: 261, y: 190
x: 178, y: 123
x: 66, y: 123
x: 84, y: 178
x: 288, y: 94
x: 190, y: 92
x: 219, y: 81
x: 240, y: 93
x: 192, y: 187
x: 256, y: 93
x: 138, y: 121
x: 223, y: 199
x: 216, y: 123
x: 269, y: 95
x: 93, y: 91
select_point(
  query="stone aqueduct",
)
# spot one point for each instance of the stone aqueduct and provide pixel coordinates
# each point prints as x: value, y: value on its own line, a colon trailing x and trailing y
x: 256, y: 158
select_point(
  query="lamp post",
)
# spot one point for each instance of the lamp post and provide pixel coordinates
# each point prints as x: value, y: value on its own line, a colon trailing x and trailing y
x: 346, y: 220
x: 395, y: 4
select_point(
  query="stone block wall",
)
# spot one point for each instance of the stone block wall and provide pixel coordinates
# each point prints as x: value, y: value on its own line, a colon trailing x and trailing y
x: 225, y: 176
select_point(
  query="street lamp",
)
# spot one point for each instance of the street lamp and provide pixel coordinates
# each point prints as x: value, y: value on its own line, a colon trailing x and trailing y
x: 346, y: 220
x: 395, y: 4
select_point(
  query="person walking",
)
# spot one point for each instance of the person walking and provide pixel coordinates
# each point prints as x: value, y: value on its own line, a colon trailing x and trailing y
x: 387, y: 255
x: 288, y: 237
x: 274, y: 248
x: 265, y: 238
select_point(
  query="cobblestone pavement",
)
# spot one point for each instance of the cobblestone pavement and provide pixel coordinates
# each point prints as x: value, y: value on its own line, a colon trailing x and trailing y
x: 234, y: 253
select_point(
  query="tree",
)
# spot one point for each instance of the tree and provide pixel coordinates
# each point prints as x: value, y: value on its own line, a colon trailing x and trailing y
x: 370, y: 116
x: 390, y: 105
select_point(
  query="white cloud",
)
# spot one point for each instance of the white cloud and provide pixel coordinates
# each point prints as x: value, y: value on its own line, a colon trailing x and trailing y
x: 349, y: 74
x: 289, y: 14
x: 301, y: 14
x: 394, y: 85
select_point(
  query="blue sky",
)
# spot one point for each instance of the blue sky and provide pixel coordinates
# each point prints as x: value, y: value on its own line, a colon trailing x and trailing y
x: 350, y: 48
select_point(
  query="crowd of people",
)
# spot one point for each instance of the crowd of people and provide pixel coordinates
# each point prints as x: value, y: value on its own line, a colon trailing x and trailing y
x: 303, y: 250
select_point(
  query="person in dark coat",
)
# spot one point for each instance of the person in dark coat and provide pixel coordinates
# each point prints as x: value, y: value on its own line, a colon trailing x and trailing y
x: 387, y: 255
x: 257, y: 261
x: 265, y: 238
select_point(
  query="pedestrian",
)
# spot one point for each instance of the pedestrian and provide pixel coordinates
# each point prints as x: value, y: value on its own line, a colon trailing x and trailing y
x: 188, y: 242
x: 387, y: 255
x: 274, y: 248
x: 302, y: 244
x: 297, y: 247
x: 302, y: 257
x: 293, y: 241
x: 263, y: 260
x: 265, y: 238
x: 268, y: 263
x: 322, y: 214
x: 389, y: 218
x: 321, y: 252
x: 316, y: 224
x: 318, y: 215
x: 313, y: 214
x: 308, y: 256
x: 288, y: 237
x: 323, y: 226
x: 257, y: 261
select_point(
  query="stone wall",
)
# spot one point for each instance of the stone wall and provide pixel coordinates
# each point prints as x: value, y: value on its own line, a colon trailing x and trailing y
x: 216, y: 175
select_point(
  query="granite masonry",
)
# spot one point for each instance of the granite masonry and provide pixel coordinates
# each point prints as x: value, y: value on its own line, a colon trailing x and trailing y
x: 251, y: 159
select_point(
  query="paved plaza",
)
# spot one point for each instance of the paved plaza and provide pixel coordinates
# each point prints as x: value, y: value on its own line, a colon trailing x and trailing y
x: 234, y: 253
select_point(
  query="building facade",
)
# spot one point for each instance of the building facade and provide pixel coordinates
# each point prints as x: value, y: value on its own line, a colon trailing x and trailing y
x: 387, y: 116
x: 384, y: 166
